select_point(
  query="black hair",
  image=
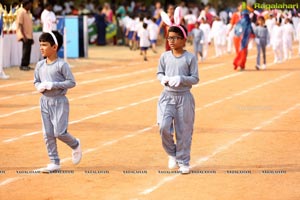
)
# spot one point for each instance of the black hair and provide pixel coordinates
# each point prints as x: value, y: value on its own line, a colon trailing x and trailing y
x: 141, y: 17
x: 279, y: 20
x: 145, y: 25
x: 48, y: 5
x: 177, y: 30
x: 46, y: 37
x: 25, y: 2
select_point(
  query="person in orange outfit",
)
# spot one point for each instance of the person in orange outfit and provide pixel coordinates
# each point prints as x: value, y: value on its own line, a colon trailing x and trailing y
x: 234, y: 20
x: 243, y: 29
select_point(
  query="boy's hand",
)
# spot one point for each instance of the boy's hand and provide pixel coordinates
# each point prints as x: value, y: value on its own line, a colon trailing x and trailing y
x: 165, y: 80
x: 48, y: 85
x: 41, y: 88
x: 174, y: 81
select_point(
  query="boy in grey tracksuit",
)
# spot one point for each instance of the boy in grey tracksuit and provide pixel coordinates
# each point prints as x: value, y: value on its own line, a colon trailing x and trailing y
x: 261, y: 39
x: 53, y: 77
x: 177, y: 71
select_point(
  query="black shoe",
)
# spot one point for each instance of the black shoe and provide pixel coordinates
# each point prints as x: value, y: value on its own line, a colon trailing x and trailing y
x: 25, y: 68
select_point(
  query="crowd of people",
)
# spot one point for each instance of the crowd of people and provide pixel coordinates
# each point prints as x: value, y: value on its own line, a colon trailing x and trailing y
x: 206, y: 25
x: 277, y: 29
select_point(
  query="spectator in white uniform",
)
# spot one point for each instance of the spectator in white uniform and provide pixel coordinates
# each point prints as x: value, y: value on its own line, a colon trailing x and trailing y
x: 48, y: 19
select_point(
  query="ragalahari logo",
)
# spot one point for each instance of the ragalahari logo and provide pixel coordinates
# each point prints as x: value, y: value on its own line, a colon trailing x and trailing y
x: 270, y: 6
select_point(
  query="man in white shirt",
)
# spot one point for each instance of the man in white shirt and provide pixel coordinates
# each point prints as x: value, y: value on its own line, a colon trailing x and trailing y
x: 48, y: 18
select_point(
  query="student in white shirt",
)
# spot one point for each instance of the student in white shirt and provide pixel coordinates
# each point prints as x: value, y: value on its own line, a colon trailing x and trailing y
x: 153, y: 33
x: 218, y: 33
x: 144, y: 42
x: 204, y: 26
x: 270, y: 23
x: 48, y: 19
x: 277, y: 41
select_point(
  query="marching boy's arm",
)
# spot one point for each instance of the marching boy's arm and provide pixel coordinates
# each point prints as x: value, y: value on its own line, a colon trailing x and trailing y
x: 69, y: 81
x: 193, y: 78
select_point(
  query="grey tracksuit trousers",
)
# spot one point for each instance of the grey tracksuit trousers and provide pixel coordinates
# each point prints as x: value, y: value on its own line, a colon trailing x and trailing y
x: 55, y: 114
x: 177, y: 110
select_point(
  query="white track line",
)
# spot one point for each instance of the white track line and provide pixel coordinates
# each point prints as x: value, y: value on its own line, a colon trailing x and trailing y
x: 84, y: 118
x: 218, y: 79
x: 82, y: 97
x: 83, y: 82
x: 114, y: 89
x: 35, y: 92
x: 14, y: 84
x: 220, y: 149
x: 113, y: 110
x: 116, y: 76
x: 111, y: 142
x: 246, y: 91
x: 75, y: 73
x: 9, y: 180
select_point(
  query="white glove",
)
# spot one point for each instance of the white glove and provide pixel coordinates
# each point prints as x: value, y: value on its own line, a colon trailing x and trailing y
x: 201, y: 42
x: 48, y: 85
x: 165, y: 80
x: 41, y: 87
x: 174, y: 81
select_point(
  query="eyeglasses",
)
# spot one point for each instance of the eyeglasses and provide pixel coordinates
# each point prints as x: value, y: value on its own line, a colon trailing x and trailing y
x: 175, y: 38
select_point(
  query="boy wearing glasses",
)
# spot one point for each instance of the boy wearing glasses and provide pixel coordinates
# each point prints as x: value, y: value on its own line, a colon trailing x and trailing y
x: 177, y: 72
x: 52, y: 78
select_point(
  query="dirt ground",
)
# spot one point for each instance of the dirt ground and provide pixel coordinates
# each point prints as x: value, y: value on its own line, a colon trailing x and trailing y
x: 245, y: 143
